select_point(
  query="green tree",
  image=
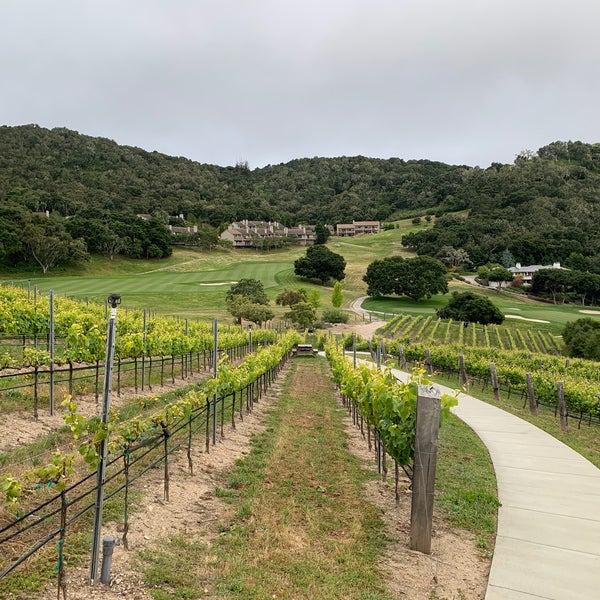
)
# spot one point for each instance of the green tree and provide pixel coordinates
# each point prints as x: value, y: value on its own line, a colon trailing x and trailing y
x: 577, y: 262
x: 471, y: 308
x: 335, y: 315
x: 257, y: 313
x: 242, y: 307
x: 252, y: 289
x: 585, y: 285
x: 507, y: 259
x: 551, y: 281
x: 289, y: 297
x: 453, y: 257
x: 500, y: 275
x: 337, y: 298
x: 582, y: 338
x: 314, y: 298
x: 417, y: 278
x: 50, y: 245
x: 303, y: 313
x: 322, y: 233
x: 321, y: 264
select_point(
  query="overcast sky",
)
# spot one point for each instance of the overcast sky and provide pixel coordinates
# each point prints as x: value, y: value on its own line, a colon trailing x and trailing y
x: 265, y: 81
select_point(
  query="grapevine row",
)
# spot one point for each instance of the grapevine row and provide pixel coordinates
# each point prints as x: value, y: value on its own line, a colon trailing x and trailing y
x: 581, y: 377
x: 415, y: 329
x: 389, y: 406
x: 82, y: 329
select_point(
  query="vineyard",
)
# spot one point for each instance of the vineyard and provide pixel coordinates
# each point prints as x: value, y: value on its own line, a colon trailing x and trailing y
x: 387, y: 406
x: 51, y: 346
x: 578, y: 379
x: 430, y: 329
x: 54, y: 495
x: 49, y: 497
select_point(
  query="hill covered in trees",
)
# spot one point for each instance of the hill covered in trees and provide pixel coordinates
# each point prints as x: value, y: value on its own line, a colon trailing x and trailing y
x: 64, y: 171
x: 543, y: 208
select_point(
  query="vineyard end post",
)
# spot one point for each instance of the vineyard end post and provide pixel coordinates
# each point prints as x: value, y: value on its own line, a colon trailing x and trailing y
x: 114, y: 300
x: 425, y: 461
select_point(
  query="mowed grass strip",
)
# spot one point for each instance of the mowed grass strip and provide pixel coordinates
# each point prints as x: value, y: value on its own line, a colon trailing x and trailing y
x: 303, y: 528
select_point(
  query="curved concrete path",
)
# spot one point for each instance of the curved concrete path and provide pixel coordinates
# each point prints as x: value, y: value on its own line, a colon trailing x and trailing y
x: 548, y: 538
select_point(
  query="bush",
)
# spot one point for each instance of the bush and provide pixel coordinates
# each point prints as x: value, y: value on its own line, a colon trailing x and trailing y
x: 335, y: 315
x: 470, y: 307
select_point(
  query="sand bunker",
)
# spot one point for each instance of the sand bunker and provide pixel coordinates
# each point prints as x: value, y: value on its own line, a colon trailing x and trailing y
x: 219, y: 283
x: 590, y: 312
x: 525, y: 319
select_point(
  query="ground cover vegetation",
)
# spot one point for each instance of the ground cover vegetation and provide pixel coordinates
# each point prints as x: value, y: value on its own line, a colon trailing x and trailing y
x: 292, y: 502
x: 302, y: 527
x: 38, y: 484
x: 61, y: 465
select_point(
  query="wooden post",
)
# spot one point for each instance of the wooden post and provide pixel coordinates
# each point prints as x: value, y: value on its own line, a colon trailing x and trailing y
x: 428, y: 361
x: 423, y: 485
x: 401, y: 357
x: 562, y: 407
x: 494, y: 378
x: 530, y: 394
x: 464, y: 378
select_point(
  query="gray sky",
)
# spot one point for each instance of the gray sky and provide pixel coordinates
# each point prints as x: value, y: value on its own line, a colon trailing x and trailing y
x: 460, y: 81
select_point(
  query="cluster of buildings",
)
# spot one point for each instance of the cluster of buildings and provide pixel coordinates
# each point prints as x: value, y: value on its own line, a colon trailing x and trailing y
x: 252, y: 234
x: 249, y: 234
x: 357, y: 228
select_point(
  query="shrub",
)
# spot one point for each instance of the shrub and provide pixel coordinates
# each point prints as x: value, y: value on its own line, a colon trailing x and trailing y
x: 335, y: 315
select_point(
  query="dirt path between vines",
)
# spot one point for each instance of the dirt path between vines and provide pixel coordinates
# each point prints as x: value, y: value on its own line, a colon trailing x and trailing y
x: 454, y: 571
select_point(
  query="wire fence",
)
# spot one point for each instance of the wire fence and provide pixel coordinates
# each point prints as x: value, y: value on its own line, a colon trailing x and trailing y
x: 31, y: 388
x: 54, y: 514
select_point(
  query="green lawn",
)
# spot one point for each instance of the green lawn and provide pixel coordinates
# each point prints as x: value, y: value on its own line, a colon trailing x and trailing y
x: 194, y: 283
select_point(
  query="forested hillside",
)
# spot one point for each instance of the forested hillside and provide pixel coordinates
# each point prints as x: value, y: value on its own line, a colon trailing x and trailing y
x: 543, y: 208
x: 61, y: 170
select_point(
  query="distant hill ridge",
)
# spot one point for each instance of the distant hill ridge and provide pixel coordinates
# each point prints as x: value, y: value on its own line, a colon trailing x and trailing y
x: 62, y: 170
x: 552, y: 196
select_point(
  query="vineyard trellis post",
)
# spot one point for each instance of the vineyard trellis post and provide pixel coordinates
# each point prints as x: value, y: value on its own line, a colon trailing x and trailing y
x: 463, y: 377
x: 531, y: 394
x: 425, y: 462
x: 144, y: 330
x: 114, y: 300
x: 215, y: 330
x: 562, y: 409
x: 494, y: 377
x: 51, y: 344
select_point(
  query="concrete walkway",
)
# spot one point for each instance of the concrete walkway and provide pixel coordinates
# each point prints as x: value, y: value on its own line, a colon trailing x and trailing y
x: 548, y: 538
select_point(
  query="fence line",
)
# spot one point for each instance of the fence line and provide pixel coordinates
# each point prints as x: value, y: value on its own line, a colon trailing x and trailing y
x: 141, y: 370
x: 38, y: 527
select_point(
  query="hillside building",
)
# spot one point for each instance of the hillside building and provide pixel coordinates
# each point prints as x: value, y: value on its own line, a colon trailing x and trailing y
x: 358, y: 228
x: 526, y: 273
x: 250, y: 234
